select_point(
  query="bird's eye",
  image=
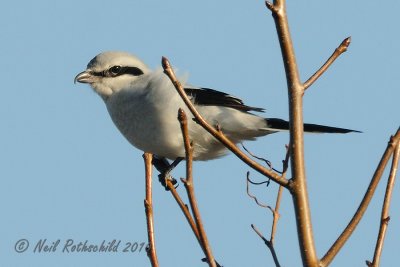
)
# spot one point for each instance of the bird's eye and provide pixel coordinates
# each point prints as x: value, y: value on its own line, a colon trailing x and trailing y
x: 115, y: 70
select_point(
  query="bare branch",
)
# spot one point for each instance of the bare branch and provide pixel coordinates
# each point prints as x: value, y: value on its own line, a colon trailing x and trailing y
x: 338, y: 51
x: 276, y: 215
x: 184, y: 209
x: 188, y: 182
x: 217, y: 133
x: 259, y: 183
x: 254, y: 197
x: 148, y: 204
x: 385, y: 208
x: 275, y: 211
x: 347, y: 232
x: 286, y: 161
x: 269, y: 244
x: 269, y: 164
x: 295, y: 93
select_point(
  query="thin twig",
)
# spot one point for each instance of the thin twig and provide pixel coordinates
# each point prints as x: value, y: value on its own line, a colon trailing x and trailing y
x: 184, y: 209
x: 275, y: 211
x: 338, y: 51
x: 268, y: 244
x: 385, y: 208
x: 248, y: 181
x: 347, y: 232
x: 295, y: 94
x: 286, y: 161
x: 187, y: 214
x: 269, y: 163
x: 188, y: 182
x: 259, y: 183
x: 148, y: 205
x: 217, y: 133
x: 276, y: 214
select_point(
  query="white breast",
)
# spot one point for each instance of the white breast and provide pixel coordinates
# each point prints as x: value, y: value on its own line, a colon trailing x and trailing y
x: 146, y: 114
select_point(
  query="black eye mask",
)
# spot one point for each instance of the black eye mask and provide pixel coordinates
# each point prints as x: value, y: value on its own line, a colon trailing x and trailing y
x: 119, y: 70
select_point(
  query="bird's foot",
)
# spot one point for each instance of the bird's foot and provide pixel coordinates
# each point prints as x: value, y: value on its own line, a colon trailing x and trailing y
x: 164, y: 177
x: 164, y: 167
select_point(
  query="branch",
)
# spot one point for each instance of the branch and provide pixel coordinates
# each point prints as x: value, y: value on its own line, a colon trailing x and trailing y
x: 276, y: 215
x: 218, y: 134
x: 248, y: 181
x: 275, y: 211
x: 148, y: 205
x: 348, y: 231
x: 269, y: 244
x: 187, y: 214
x: 184, y: 209
x: 295, y: 93
x: 188, y: 182
x: 385, y: 208
x: 269, y: 163
x: 338, y: 51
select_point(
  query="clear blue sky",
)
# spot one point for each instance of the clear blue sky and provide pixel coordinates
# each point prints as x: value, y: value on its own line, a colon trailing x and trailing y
x: 67, y: 173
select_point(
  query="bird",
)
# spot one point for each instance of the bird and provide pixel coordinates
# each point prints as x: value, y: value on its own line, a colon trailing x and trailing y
x: 143, y: 104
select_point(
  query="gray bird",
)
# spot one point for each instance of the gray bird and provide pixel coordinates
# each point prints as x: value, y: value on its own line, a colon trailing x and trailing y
x: 143, y: 104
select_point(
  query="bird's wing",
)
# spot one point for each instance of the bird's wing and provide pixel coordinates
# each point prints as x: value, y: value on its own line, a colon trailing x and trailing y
x: 210, y: 97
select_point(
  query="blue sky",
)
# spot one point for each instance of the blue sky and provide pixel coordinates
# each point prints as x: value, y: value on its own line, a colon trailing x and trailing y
x: 67, y: 173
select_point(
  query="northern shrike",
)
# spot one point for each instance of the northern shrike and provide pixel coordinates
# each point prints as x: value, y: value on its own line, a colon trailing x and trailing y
x: 143, y: 104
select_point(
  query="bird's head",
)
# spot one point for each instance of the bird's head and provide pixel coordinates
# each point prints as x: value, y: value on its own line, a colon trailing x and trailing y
x: 112, y: 71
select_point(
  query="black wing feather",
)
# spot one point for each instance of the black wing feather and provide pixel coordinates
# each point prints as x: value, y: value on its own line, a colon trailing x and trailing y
x: 210, y: 97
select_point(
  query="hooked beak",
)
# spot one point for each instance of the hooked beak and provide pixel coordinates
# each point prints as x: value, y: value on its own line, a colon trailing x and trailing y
x: 84, y: 77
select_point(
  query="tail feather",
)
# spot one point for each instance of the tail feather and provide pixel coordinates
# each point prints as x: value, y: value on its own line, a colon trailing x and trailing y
x: 279, y: 125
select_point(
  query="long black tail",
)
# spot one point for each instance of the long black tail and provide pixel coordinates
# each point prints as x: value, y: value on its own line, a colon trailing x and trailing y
x: 279, y: 124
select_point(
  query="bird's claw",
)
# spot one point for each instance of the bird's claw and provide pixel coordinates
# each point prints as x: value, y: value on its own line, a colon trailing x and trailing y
x: 163, y: 177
